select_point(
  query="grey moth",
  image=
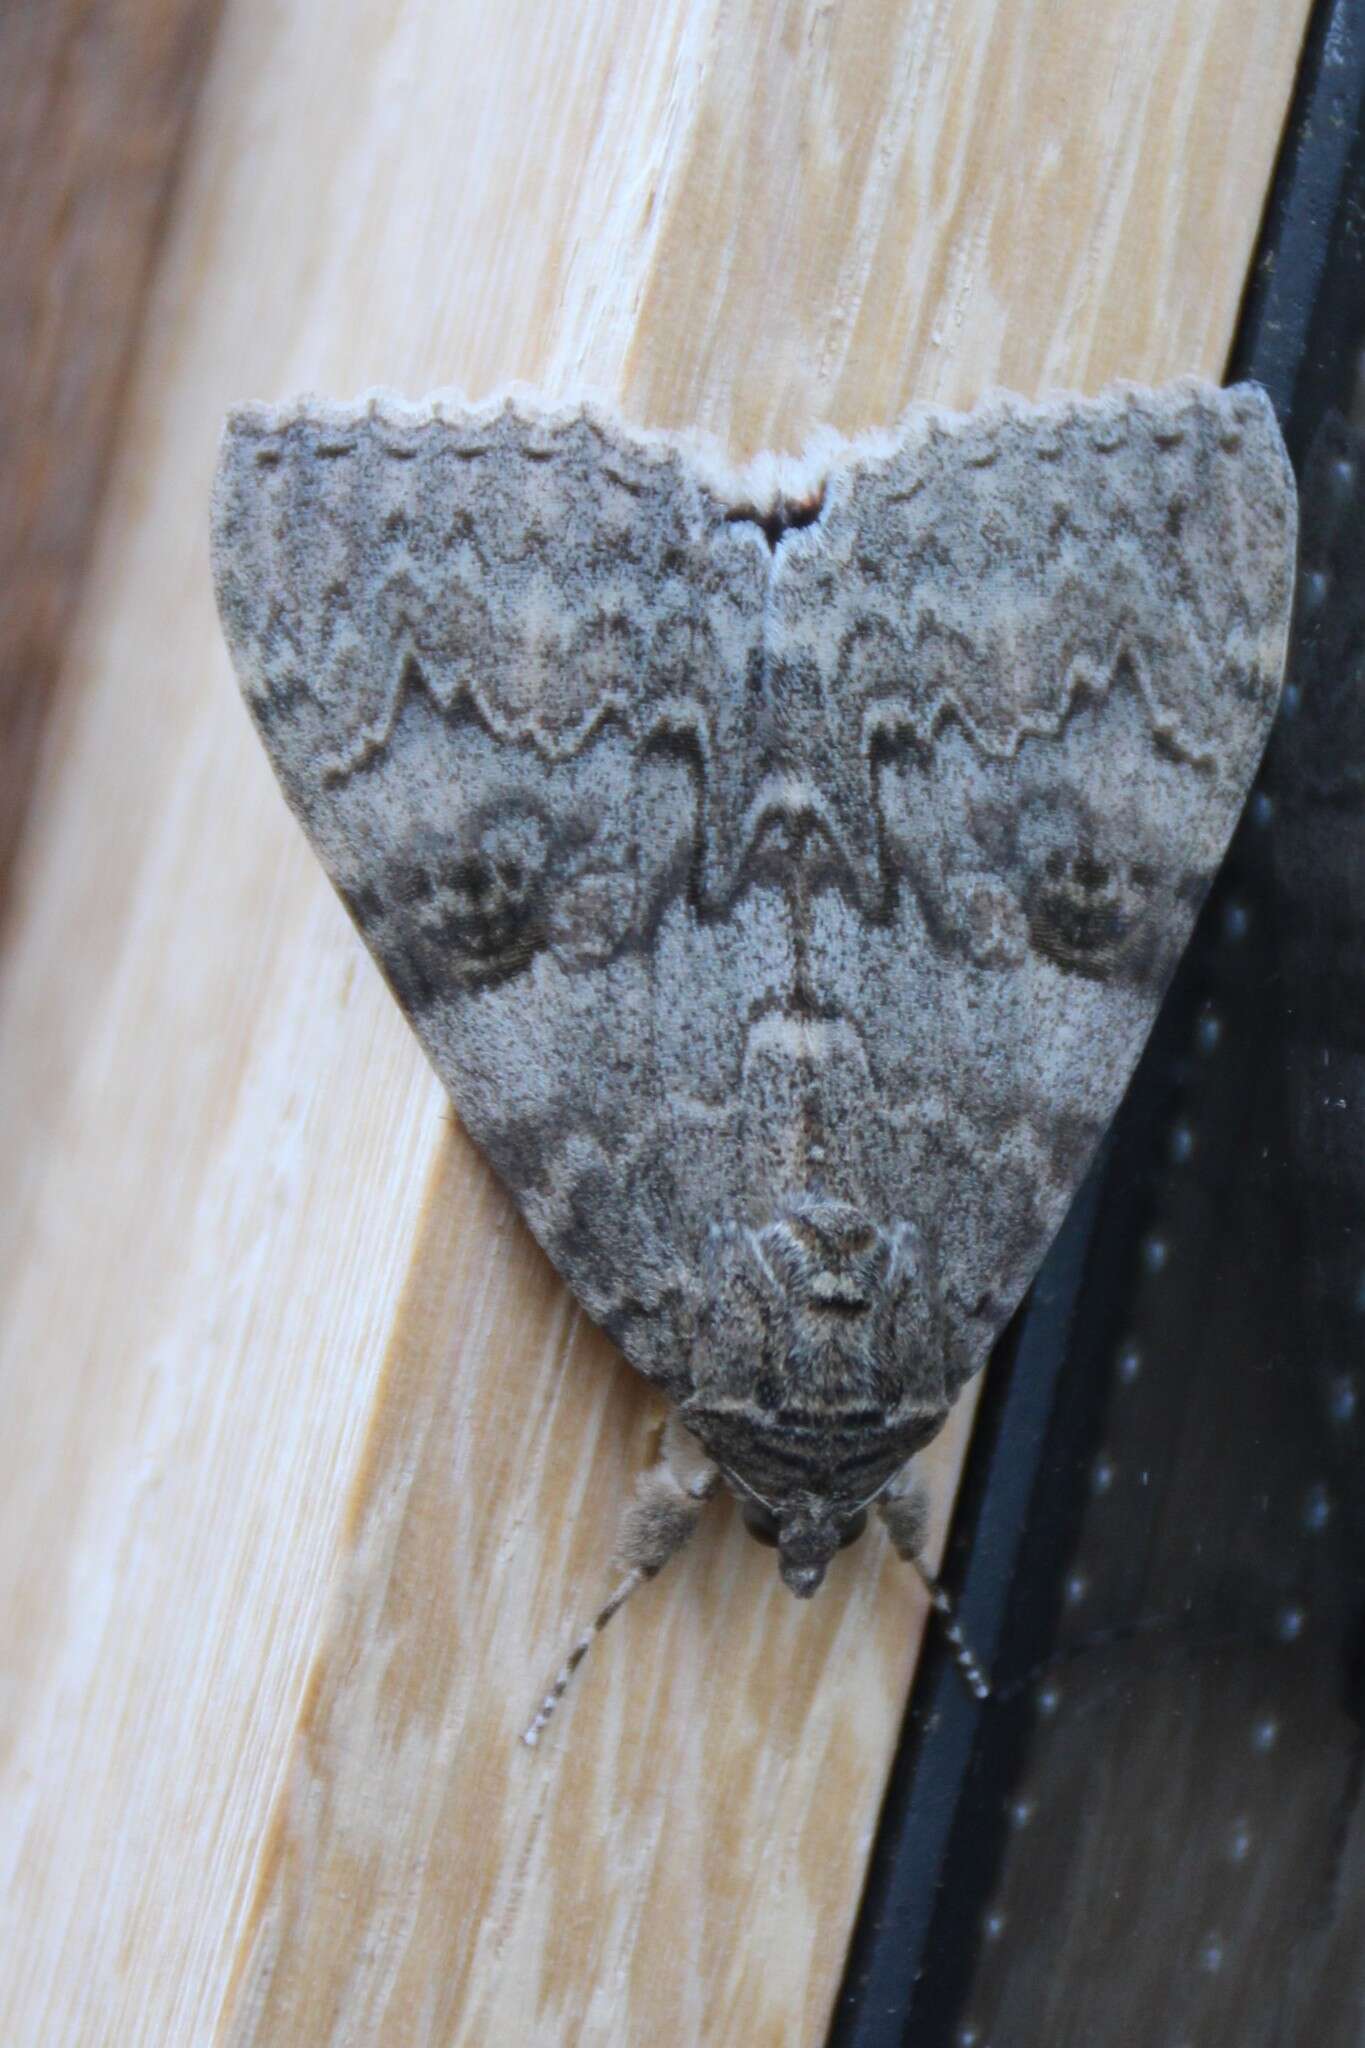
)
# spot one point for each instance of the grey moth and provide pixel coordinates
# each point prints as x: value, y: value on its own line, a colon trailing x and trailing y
x: 781, y: 867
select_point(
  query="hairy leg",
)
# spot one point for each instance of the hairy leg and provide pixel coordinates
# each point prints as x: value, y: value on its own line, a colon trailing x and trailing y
x: 663, y: 1512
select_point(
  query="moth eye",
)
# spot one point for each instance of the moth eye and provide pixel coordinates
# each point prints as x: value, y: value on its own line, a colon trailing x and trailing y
x: 1054, y: 867
x: 762, y: 1525
x: 511, y: 873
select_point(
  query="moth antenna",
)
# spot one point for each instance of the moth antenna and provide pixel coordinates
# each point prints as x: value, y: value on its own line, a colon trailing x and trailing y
x: 666, y: 1508
x: 963, y: 1655
x: 613, y: 1605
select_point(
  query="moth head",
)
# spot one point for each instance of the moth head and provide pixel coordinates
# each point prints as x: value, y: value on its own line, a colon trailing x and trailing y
x: 804, y: 1486
x: 808, y: 1514
x: 805, y: 1538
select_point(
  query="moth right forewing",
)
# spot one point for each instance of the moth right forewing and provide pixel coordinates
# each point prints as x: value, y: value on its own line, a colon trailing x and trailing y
x: 1048, y: 642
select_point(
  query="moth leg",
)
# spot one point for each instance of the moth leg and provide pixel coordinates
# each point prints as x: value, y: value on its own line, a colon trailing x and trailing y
x: 662, y: 1514
x: 904, y: 1510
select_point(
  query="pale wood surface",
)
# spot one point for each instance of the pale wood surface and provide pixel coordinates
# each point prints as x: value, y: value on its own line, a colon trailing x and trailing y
x: 95, y: 96
x: 309, y: 1463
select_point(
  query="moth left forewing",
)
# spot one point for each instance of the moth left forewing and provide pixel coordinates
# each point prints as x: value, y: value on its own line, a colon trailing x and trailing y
x: 491, y: 658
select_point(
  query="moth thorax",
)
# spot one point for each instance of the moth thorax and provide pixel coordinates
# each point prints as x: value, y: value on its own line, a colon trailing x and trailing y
x: 820, y: 1309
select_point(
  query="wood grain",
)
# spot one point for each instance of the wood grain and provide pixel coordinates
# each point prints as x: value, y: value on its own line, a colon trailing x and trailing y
x: 94, y: 99
x: 310, y: 1466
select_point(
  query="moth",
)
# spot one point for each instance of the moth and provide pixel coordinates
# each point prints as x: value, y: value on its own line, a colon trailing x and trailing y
x: 781, y: 867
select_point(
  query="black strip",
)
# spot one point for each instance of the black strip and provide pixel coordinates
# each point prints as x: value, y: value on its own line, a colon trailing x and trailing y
x: 1028, y: 1479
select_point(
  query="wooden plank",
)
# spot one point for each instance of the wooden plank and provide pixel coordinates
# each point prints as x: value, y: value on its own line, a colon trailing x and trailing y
x: 94, y: 100
x: 310, y: 1463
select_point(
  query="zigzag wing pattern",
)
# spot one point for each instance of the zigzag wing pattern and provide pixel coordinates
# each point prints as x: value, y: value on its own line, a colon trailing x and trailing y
x: 732, y: 870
